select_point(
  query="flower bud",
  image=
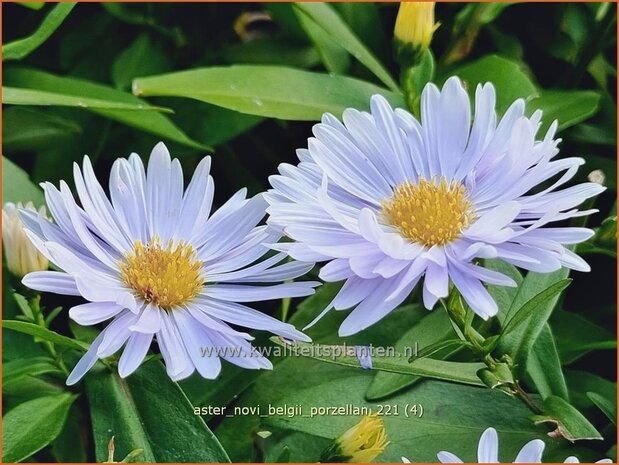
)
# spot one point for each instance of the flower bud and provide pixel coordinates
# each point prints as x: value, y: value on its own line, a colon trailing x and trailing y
x: 414, y: 28
x: 22, y: 257
x: 360, y: 444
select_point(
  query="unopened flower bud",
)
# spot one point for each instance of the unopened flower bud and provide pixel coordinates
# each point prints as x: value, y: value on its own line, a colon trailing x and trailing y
x: 414, y: 28
x: 22, y: 257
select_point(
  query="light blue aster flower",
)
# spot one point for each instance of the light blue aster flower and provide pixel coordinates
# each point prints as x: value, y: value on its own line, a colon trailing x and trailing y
x: 154, y: 260
x: 488, y: 451
x: 388, y: 201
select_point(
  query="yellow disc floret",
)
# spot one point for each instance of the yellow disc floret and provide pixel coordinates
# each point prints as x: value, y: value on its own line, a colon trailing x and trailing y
x: 429, y: 212
x: 166, y: 276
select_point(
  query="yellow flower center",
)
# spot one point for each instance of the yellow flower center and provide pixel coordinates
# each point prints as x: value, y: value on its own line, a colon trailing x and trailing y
x: 364, y: 441
x: 429, y: 212
x: 166, y: 276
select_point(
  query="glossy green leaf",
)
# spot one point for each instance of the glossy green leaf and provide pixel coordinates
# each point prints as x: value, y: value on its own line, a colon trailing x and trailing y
x: 17, y: 187
x: 14, y: 370
x: 454, y: 416
x: 608, y: 406
x: 577, y: 336
x: 272, y: 51
x: 32, y: 5
x: 523, y: 328
x: 69, y: 446
x: 143, y: 56
x: 149, y: 121
x: 509, y: 78
x: 17, y: 96
x: 459, y: 372
x: 334, y: 57
x: 544, y: 366
x: 44, y: 333
x: 581, y: 383
x: 532, y: 285
x: 29, y: 129
x: 148, y: 411
x: 325, y: 17
x: 430, y: 329
x: 569, y: 422
x: 270, y: 91
x: 31, y: 426
x: 568, y: 107
x: 21, y: 48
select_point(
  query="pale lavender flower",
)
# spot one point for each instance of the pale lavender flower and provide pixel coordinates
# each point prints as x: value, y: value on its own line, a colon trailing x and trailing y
x: 155, y: 261
x: 388, y: 201
x: 488, y: 451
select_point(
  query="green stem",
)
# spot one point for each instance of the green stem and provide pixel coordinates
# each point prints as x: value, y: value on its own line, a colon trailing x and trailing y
x: 461, y: 317
x: 49, y: 346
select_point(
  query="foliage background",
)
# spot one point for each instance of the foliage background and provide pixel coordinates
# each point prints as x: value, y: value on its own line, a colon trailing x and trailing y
x: 65, y: 99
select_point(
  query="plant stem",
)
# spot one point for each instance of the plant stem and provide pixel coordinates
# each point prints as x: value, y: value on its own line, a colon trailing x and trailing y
x: 524, y: 397
x: 477, y: 342
x: 49, y: 346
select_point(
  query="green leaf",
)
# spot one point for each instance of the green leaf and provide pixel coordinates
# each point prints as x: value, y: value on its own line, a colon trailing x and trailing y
x: 568, y: 107
x: 14, y: 370
x: 69, y: 446
x: 459, y: 372
x: 17, y: 96
x: 577, y: 336
x: 231, y: 382
x: 21, y: 48
x: 582, y: 382
x: 533, y: 284
x: 569, y: 422
x: 523, y: 328
x: 509, y: 78
x: 28, y: 129
x: 17, y: 187
x: 325, y: 17
x: 272, y: 51
x: 32, y: 5
x: 31, y: 426
x: 148, y: 411
x: 544, y: 366
x: 143, y: 56
x: 607, y: 406
x: 44, y: 333
x: 430, y: 329
x: 504, y: 296
x: 149, y: 121
x: 454, y: 416
x: 270, y: 91
x: 335, y: 58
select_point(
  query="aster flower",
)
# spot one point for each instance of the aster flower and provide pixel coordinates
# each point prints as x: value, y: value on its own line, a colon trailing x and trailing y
x: 22, y: 257
x: 389, y: 201
x: 157, y: 263
x: 488, y: 451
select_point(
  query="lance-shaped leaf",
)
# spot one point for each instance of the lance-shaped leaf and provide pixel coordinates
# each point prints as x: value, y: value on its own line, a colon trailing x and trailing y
x: 44, y: 333
x: 148, y: 411
x: 569, y: 422
x: 459, y: 372
x: 21, y: 48
x: 32, y: 425
x: 129, y: 109
x: 272, y: 91
x: 526, y: 324
x: 326, y: 18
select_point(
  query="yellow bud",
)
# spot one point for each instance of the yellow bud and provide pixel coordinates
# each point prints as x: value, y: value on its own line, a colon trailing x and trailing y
x: 362, y: 443
x: 22, y: 257
x: 414, y: 28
